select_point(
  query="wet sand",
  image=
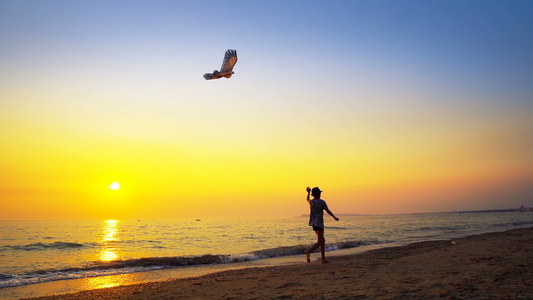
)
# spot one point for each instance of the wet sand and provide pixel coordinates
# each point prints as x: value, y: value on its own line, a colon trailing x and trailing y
x: 488, y: 266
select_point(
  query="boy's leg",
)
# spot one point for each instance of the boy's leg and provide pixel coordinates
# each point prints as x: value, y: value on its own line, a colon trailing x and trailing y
x: 322, y: 243
x: 316, y: 245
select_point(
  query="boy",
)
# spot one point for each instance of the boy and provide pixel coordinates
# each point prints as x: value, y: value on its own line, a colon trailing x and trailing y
x: 316, y: 219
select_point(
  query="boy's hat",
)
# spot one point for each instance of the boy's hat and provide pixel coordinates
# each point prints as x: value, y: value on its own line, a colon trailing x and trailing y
x: 315, y: 191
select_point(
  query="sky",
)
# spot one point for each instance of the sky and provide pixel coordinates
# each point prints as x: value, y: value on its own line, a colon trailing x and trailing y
x: 387, y: 106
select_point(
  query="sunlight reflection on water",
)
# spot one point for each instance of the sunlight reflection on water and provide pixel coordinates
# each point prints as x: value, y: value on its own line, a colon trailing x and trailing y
x: 106, y: 281
x: 109, y: 236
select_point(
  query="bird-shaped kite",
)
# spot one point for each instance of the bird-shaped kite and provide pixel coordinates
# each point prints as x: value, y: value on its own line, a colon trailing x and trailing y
x: 230, y: 59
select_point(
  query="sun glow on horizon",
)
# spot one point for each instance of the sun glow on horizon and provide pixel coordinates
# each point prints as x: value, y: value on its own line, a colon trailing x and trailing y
x: 114, y: 186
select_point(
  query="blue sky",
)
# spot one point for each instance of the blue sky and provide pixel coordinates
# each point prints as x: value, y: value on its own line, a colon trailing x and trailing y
x: 469, y: 44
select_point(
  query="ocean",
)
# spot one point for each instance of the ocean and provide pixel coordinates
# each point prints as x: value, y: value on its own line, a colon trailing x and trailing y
x: 34, y: 252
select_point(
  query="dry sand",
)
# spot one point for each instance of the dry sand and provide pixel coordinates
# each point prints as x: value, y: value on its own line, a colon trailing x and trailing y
x: 488, y: 266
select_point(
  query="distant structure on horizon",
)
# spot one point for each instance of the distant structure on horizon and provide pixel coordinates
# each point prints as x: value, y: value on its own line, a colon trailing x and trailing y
x: 524, y: 209
x: 521, y: 209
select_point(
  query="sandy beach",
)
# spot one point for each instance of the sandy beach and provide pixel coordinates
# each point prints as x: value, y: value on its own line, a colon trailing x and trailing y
x: 488, y: 266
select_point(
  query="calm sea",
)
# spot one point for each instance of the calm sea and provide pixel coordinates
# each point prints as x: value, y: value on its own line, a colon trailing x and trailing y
x: 40, y: 251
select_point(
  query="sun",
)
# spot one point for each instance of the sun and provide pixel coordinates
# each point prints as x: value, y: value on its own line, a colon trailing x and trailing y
x: 114, y: 186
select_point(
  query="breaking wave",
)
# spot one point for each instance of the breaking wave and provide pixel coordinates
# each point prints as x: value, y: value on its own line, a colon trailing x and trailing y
x: 101, y: 268
x: 41, y: 246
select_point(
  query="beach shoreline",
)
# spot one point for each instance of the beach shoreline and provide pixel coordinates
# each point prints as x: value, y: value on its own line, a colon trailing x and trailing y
x: 487, y: 266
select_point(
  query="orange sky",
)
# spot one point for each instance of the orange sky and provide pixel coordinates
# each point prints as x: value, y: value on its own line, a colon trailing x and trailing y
x: 381, y: 125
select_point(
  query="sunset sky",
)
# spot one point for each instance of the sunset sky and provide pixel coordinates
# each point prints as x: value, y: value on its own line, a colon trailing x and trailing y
x: 387, y: 106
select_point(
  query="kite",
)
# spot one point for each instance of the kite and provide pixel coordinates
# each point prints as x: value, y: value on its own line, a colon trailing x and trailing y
x: 230, y: 59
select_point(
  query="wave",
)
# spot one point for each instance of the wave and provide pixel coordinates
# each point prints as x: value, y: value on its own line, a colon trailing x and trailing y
x: 100, y: 268
x: 6, y: 276
x: 519, y: 223
x: 70, y: 245
x: 41, y: 246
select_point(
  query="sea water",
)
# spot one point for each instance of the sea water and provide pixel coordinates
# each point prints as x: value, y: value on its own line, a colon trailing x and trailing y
x: 33, y: 252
